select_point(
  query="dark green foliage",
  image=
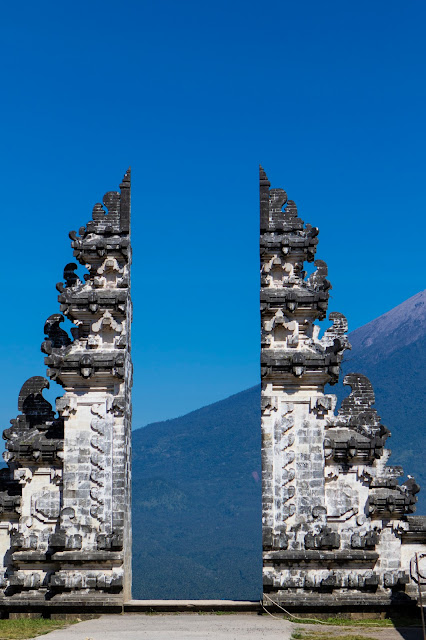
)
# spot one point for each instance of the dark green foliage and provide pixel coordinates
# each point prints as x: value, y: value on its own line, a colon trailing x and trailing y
x: 197, y: 503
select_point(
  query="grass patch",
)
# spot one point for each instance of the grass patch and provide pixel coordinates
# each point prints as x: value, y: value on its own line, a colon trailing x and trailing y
x: 224, y: 613
x: 362, y: 622
x: 24, y: 628
x: 318, y: 635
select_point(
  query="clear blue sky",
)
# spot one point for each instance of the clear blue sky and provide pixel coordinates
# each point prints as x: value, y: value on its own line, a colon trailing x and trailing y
x: 329, y: 97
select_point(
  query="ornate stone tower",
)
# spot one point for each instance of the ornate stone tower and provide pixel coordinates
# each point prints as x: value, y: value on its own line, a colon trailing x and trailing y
x: 336, y: 523
x: 65, y: 497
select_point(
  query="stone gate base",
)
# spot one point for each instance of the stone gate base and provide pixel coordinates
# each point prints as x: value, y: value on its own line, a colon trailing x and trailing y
x: 323, y: 607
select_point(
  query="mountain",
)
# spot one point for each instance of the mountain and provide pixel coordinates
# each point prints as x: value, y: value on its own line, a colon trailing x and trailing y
x: 402, y: 326
x: 196, y: 479
x: 197, y: 503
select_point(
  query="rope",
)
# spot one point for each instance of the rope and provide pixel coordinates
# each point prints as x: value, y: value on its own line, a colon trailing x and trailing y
x: 370, y: 624
x: 268, y: 612
x: 290, y: 614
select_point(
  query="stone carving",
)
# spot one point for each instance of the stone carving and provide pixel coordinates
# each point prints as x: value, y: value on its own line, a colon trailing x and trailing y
x: 325, y: 539
x: 45, y: 504
x: 65, y: 495
x: 318, y: 280
x: 357, y: 412
x: 35, y: 435
x: 284, y: 439
x: 336, y: 523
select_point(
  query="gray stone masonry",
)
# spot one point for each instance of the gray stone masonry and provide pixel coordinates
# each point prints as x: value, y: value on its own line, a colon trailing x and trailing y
x: 65, y: 524
x: 337, y: 527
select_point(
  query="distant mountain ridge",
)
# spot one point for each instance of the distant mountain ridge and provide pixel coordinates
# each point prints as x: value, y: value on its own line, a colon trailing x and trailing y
x: 399, y: 327
x: 196, y: 478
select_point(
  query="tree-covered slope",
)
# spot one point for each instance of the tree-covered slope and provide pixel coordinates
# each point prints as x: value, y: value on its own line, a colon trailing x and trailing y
x: 196, y: 479
x: 196, y: 503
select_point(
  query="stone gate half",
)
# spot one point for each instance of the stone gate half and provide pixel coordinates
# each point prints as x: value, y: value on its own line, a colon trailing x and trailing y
x: 337, y: 523
x: 65, y: 528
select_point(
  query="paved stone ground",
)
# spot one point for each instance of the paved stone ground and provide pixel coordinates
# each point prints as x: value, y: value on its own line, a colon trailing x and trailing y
x: 182, y: 626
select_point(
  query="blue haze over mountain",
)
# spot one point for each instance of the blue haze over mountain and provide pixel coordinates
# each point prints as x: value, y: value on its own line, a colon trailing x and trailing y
x: 196, y: 479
